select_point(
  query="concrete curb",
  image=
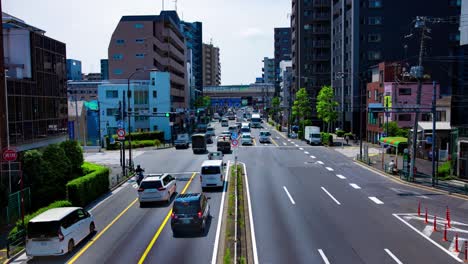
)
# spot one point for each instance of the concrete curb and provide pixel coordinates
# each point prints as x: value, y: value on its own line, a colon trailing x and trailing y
x: 415, y: 185
x: 222, y: 235
x: 21, y: 252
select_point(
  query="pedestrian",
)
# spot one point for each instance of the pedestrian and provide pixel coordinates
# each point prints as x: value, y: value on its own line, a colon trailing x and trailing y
x: 391, y: 166
x: 347, y: 140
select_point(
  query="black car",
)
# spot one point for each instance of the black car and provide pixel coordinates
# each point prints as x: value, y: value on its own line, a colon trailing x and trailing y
x: 190, y: 212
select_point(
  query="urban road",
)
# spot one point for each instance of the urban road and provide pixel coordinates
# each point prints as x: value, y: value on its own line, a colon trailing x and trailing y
x: 310, y: 204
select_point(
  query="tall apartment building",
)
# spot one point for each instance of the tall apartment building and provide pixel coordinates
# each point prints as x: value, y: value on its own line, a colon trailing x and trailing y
x: 193, y: 33
x: 36, y: 85
x: 367, y: 32
x: 282, y: 51
x: 310, y: 39
x: 268, y: 70
x: 211, y: 65
x: 104, y: 69
x: 142, y: 43
x: 74, y: 70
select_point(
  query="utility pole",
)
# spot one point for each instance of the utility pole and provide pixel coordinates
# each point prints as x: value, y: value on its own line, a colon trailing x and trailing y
x: 434, y: 136
x: 419, y: 73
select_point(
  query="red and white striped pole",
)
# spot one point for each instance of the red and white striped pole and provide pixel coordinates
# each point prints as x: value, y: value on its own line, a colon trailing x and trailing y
x: 448, y: 217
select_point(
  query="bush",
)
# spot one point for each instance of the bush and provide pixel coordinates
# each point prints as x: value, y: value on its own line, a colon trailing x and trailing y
x: 36, y: 174
x: 327, y: 138
x: 140, y: 143
x: 81, y: 191
x: 14, y: 233
x: 444, y: 170
x: 159, y: 135
x: 59, y: 171
x: 349, y: 135
x: 74, y: 153
x: 340, y: 133
x: 278, y: 127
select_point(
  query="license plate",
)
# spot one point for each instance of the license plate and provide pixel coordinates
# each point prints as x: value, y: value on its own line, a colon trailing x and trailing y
x: 185, y: 221
x: 151, y: 190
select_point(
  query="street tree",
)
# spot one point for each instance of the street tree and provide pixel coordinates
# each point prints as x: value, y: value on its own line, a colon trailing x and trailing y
x: 203, y: 101
x: 275, y: 108
x: 326, y: 106
x: 301, y: 110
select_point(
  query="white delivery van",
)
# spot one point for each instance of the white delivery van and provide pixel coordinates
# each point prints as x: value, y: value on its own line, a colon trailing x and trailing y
x: 212, y: 174
x: 312, y: 135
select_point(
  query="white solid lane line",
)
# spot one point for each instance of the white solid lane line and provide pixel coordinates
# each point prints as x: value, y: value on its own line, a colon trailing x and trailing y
x: 220, y: 216
x: 320, y: 162
x: 325, y: 259
x: 328, y: 168
x: 355, y: 186
x: 313, y: 157
x: 252, y: 228
x: 331, y: 196
x: 301, y: 148
x: 393, y: 256
x: 306, y: 152
x: 341, y: 176
x: 289, y: 195
x: 375, y: 200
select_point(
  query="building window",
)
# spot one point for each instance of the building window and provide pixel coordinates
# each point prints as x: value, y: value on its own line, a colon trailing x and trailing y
x: 117, y: 56
x: 307, y: 27
x: 376, y: 95
x: 455, y: 3
x: 374, y: 37
x: 155, y: 109
x: 454, y: 36
x: 112, y: 111
x: 112, y: 94
x: 140, y: 55
x: 374, y: 55
x: 426, y: 117
x: 120, y: 41
x: 404, y: 117
x: 375, y: 20
x: 441, y: 116
x: 118, y: 71
x: 155, y: 94
x: 375, y: 3
x: 140, y: 41
x: 404, y: 91
x: 369, y: 94
x: 138, y: 25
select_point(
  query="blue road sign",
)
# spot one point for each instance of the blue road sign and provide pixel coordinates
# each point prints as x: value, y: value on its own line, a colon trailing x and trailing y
x: 234, y: 135
x: 120, y: 124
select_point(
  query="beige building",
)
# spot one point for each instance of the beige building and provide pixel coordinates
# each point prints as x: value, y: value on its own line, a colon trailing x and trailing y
x: 151, y: 42
x: 211, y: 65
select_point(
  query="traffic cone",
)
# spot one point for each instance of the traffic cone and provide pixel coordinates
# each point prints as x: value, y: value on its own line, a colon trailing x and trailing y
x: 448, y: 217
x: 426, y: 217
x: 435, y: 223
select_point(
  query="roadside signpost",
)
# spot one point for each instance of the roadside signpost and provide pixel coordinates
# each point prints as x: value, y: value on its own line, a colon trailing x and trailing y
x: 121, y: 134
x: 234, y: 142
x: 9, y: 155
x: 234, y: 136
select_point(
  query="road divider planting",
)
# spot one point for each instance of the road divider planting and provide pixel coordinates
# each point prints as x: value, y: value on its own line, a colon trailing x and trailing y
x: 83, y: 190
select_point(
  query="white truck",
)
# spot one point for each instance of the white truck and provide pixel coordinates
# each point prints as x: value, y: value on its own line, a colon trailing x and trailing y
x: 256, y: 120
x: 312, y: 135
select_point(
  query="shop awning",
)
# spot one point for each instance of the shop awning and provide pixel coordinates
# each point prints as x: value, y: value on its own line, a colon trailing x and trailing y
x: 394, y: 141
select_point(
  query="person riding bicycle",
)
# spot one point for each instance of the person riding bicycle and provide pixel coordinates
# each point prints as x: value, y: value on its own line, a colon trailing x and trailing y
x: 139, y: 171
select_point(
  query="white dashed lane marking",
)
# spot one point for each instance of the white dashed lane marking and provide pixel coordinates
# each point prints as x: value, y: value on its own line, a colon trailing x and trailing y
x: 375, y: 200
x: 341, y: 176
x: 330, y: 169
x: 355, y: 186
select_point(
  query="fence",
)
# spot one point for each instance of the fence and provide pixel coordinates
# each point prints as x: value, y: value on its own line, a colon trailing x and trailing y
x: 13, y: 210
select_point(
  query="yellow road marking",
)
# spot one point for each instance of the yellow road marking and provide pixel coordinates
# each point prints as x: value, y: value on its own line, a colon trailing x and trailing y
x: 254, y: 143
x: 101, y: 233
x: 161, y: 227
x: 274, y: 142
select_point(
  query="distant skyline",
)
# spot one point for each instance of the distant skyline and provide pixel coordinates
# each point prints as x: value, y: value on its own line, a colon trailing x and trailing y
x: 242, y: 29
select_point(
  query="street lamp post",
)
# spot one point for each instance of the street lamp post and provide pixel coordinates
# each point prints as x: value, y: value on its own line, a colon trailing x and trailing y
x: 130, y: 161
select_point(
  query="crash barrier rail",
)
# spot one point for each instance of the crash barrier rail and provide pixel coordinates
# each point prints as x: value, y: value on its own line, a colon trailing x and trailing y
x: 16, y: 244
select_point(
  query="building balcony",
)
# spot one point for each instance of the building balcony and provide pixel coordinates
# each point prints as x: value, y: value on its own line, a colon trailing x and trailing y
x: 321, y: 16
x: 321, y: 44
x: 177, y: 79
x: 320, y: 57
x: 174, y: 38
x: 322, y: 3
x: 321, y: 30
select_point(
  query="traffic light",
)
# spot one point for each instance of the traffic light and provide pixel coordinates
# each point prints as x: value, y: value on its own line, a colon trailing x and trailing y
x: 168, y: 115
x: 171, y: 116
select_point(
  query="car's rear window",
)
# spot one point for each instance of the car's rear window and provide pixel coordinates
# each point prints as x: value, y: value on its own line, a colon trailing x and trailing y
x: 43, y: 229
x: 210, y: 170
x: 266, y: 134
x: 245, y: 129
x: 192, y: 207
x: 245, y: 136
x: 210, y: 129
x: 151, y: 184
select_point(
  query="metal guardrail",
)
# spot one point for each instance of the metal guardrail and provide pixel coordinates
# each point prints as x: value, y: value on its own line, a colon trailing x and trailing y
x: 17, y: 244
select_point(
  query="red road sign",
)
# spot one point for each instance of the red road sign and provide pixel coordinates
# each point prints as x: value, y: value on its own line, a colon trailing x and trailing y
x: 234, y: 142
x: 121, y: 134
x: 9, y: 155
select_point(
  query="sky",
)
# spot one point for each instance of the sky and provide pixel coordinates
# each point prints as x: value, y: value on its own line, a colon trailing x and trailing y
x: 242, y: 29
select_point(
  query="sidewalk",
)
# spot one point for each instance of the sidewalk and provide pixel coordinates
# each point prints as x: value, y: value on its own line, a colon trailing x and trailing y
x: 424, y: 169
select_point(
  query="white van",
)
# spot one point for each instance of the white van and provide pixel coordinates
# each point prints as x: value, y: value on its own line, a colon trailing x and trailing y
x: 212, y: 174
x: 57, y: 231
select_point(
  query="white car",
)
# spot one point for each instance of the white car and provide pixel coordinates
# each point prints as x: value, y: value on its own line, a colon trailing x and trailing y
x: 156, y: 187
x: 57, y: 231
x: 212, y: 174
x: 265, y: 137
x: 246, y: 139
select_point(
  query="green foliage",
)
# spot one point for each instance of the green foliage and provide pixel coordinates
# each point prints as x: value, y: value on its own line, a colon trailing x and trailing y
x: 59, y: 171
x: 204, y: 101
x: 395, y: 131
x: 143, y: 143
x: 301, y: 108
x: 81, y: 191
x: 36, y: 174
x: 275, y: 107
x: 326, y: 105
x: 326, y: 138
x: 340, y: 133
x: 444, y: 170
x: 159, y: 135
x: 74, y: 153
x: 349, y: 135
x: 156, y: 136
x: 227, y: 259
x: 14, y: 233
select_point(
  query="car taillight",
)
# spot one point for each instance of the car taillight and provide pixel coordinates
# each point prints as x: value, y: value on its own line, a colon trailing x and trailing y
x: 60, y: 235
x: 141, y: 189
x: 161, y: 189
x: 173, y: 216
x: 199, y: 214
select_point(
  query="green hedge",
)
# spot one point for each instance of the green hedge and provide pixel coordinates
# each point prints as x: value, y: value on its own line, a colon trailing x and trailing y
x: 340, y: 133
x: 327, y: 138
x: 349, y: 135
x: 81, y: 191
x: 16, y: 233
x: 159, y: 135
x: 444, y: 170
x: 143, y: 143
x: 156, y: 136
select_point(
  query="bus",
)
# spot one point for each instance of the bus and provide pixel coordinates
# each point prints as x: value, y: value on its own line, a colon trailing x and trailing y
x: 256, y: 120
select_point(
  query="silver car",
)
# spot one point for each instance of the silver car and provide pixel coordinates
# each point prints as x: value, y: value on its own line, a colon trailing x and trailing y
x: 156, y: 187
